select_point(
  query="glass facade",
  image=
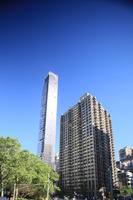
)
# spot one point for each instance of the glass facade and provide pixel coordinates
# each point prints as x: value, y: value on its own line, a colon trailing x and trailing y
x: 47, y: 132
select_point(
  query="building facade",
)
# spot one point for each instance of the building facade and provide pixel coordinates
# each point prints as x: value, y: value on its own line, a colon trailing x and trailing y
x: 57, y: 163
x: 125, y: 167
x: 125, y: 154
x: 47, y: 132
x: 125, y: 178
x: 86, y: 148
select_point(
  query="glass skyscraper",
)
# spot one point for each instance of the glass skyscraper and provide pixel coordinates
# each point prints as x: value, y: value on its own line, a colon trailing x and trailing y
x: 47, y: 132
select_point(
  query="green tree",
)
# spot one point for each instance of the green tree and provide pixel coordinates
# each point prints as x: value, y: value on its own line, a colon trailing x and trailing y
x: 126, y: 191
x: 25, y: 170
x: 9, y: 150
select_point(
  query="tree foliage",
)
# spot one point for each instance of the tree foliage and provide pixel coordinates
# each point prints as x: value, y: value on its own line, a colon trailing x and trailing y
x: 126, y: 191
x: 26, y: 171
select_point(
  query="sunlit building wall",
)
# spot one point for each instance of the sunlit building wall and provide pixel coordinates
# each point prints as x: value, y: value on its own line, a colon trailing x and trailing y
x: 86, y: 148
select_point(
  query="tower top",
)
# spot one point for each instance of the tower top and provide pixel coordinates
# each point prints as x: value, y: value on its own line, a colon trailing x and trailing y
x: 53, y: 74
x: 84, y: 96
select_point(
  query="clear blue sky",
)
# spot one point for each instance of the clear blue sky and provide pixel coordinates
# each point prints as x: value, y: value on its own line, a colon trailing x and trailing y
x: 89, y: 44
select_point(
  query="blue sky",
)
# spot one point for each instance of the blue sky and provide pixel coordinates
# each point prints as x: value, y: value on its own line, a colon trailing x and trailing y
x: 89, y: 44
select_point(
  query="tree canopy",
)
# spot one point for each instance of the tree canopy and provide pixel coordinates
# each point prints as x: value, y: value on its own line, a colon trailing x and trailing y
x: 126, y: 191
x: 23, y: 171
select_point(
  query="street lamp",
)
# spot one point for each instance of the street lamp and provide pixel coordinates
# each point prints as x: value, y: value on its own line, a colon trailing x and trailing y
x: 111, y: 183
x: 48, y: 187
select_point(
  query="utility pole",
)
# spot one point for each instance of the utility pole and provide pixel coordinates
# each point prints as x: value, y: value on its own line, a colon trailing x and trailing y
x: 14, y: 192
x: 111, y: 183
x: 48, y: 187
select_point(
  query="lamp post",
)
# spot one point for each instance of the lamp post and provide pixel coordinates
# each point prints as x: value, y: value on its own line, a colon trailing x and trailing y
x: 14, y: 192
x: 111, y: 183
x: 48, y: 188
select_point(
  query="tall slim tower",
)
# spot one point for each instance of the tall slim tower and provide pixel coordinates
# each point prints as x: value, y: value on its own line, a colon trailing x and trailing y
x: 86, y: 148
x: 47, y: 132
